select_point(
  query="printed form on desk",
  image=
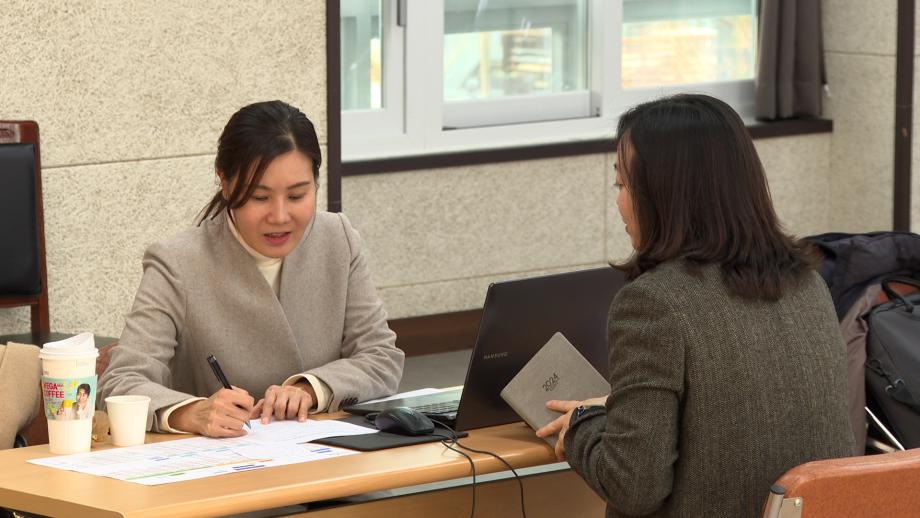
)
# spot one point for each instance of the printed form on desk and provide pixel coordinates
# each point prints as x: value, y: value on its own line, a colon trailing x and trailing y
x: 275, y: 444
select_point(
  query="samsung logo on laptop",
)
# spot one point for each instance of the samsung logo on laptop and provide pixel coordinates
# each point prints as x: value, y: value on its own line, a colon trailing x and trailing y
x: 551, y: 383
x: 495, y: 356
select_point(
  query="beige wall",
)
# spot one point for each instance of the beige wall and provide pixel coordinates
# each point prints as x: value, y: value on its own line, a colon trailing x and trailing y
x: 437, y: 238
x: 131, y: 99
x: 859, y: 44
x: 131, y: 96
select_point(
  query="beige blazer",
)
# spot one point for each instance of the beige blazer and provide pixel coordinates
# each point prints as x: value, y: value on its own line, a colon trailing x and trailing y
x: 202, y: 293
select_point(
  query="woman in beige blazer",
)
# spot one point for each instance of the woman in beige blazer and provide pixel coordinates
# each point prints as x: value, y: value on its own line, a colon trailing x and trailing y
x: 726, y: 365
x: 278, y: 292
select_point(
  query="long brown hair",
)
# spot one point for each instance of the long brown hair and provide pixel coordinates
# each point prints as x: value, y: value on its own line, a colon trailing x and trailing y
x: 699, y: 192
x: 254, y: 136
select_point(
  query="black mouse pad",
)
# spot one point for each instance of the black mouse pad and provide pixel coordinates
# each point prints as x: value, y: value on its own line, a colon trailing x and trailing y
x: 381, y: 440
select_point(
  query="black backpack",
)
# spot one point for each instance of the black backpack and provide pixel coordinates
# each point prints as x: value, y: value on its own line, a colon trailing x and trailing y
x: 893, y: 360
x: 853, y: 262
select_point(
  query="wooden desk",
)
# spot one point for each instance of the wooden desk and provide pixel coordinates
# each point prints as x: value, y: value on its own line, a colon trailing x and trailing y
x: 54, y: 492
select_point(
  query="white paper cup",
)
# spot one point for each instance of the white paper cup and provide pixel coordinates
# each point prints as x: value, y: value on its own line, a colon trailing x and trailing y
x: 69, y: 392
x: 127, y: 419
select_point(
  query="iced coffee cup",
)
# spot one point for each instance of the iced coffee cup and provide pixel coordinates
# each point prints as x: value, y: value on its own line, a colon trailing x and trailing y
x: 69, y: 392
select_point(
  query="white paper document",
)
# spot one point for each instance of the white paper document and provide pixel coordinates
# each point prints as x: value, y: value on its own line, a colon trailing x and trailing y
x: 419, y: 392
x: 310, y: 430
x: 200, y: 457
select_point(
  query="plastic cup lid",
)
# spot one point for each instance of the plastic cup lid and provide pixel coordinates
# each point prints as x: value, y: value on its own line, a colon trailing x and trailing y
x: 80, y: 345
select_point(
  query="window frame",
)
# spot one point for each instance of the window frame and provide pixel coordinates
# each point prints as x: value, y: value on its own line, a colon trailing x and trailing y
x: 428, y: 125
x: 389, y: 118
x: 517, y: 109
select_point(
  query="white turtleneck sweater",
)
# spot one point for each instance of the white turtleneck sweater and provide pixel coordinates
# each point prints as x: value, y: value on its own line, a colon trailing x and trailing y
x: 269, y: 266
x: 271, y: 270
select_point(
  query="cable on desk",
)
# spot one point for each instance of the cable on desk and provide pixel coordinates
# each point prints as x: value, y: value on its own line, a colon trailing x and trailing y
x: 448, y: 443
x: 451, y: 440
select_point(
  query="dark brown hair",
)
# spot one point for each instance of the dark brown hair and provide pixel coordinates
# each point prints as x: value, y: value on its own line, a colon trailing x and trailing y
x: 254, y: 136
x: 699, y: 192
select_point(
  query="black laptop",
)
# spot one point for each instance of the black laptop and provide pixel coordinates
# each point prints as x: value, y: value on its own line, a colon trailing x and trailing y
x: 518, y: 318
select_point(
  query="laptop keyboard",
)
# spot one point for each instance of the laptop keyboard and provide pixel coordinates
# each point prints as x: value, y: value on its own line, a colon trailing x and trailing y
x: 444, y: 407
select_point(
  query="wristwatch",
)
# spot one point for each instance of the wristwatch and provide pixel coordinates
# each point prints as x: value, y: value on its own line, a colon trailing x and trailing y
x: 580, y: 411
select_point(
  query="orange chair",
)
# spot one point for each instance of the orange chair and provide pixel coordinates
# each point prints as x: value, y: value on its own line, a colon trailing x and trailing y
x: 855, y: 487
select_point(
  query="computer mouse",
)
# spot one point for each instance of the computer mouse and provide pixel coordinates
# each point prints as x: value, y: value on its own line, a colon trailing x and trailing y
x: 403, y: 421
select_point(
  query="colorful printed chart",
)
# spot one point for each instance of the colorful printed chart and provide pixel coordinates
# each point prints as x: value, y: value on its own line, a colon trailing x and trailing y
x: 275, y: 444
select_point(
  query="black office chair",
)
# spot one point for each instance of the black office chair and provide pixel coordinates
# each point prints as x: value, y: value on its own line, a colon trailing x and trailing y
x: 23, y: 277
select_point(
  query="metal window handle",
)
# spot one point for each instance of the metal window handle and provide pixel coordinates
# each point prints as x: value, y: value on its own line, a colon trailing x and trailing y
x: 401, y: 13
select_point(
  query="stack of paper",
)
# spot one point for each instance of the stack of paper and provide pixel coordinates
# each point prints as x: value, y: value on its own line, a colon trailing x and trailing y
x: 275, y: 444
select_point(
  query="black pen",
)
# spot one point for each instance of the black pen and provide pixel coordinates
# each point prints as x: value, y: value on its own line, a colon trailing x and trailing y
x: 212, y: 361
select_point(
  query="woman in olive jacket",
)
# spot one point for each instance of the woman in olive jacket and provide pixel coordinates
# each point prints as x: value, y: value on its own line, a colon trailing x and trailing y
x: 726, y: 363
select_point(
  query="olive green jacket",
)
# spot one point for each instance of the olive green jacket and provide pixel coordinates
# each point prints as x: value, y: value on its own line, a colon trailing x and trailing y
x: 712, y: 397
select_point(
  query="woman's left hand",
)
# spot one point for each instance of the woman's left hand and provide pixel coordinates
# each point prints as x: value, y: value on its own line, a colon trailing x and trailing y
x: 289, y: 402
x: 560, y: 425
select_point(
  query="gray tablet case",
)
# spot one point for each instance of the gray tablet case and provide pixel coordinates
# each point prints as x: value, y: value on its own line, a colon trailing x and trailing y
x: 557, y: 371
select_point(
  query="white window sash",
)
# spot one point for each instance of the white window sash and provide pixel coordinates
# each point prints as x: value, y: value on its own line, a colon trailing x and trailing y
x: 738, y: 94
x: 389, y: 119
x: 431, y: 126
x: 517, y: 109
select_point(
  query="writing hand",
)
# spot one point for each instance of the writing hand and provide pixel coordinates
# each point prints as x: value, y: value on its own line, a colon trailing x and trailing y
x: 221, y: 415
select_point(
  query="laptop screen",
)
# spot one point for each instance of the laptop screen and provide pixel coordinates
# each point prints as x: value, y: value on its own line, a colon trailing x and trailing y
x: 518, y: 318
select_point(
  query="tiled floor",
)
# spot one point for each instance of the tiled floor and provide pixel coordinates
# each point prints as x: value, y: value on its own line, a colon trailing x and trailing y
x: 435, y: 370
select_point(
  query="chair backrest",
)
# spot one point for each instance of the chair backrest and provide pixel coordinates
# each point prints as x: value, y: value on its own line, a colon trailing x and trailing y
x: 23, y: 278
x: 855, y: 487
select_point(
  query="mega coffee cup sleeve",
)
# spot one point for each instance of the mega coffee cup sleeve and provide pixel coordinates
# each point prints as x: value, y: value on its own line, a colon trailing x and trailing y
x: 69, y: 391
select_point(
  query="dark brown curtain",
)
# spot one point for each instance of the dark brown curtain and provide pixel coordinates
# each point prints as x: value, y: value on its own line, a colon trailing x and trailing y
x: 790, y: 66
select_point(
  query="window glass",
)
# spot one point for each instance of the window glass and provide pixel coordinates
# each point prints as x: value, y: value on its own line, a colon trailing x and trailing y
x: 513, y: 47
x: 667, y: 42
x: 422, y: 77
x: 361, y: 66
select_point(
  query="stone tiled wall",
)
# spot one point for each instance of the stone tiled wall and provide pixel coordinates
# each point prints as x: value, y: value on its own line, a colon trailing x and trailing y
x: 130, y: 97
x: 438, y: 238
x: 859, y: 43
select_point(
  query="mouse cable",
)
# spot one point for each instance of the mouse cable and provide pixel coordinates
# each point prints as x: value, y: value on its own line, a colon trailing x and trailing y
x: 483, y: 452
x: 448, y: 443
